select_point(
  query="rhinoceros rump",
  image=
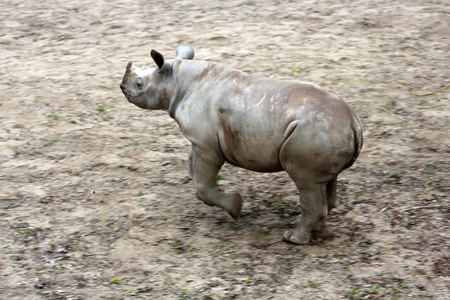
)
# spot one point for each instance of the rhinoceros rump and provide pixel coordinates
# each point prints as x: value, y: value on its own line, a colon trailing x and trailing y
x: 258, y: 124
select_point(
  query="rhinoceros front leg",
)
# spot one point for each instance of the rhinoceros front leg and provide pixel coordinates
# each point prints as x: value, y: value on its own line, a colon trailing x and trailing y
x: 203, y: 168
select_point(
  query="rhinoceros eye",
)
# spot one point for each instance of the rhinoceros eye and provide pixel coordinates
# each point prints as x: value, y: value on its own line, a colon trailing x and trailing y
x: 139, y: 83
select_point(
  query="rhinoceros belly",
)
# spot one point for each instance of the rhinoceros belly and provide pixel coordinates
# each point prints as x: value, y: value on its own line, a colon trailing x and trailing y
x: 254, y: 146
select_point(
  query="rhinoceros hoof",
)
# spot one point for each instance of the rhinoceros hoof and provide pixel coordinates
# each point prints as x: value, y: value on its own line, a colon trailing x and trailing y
x: 320, y: 226
x: 207, y: 203
x: 295, y: 239
x: 233, y: 205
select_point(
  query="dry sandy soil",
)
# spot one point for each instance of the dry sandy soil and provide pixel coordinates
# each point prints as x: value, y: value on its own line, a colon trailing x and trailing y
x: 96, y: 201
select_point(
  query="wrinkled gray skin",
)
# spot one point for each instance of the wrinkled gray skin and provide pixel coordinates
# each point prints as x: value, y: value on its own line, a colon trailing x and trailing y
x: 258, y: 124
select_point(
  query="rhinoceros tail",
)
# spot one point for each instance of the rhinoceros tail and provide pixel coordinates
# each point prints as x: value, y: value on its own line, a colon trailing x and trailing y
x: 358, y: 136
x: 185, y: 51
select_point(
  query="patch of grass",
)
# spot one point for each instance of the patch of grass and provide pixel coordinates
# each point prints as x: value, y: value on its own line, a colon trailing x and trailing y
x: 140, y: 193
x: 280, y: 203
x: 54, y: 116
x: 174, y: 163
x: 359, y: 194
x: 101, y: 109
x: 219, y: 177
x: 225, y: 275
x: 396, y: 175
x: 394, y: 288
x: 117, y: 281
x: 267, y: 230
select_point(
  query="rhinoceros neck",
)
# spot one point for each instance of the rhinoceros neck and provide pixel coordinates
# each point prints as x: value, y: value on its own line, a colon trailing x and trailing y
x: 191, y: 77
x: 188, y: 77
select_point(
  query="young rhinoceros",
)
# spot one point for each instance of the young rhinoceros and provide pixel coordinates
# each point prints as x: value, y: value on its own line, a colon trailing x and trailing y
x: 258, y: 124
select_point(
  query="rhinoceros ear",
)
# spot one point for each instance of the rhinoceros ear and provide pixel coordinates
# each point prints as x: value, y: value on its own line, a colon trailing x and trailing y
x: 185, y: 51
x: 158, y: 58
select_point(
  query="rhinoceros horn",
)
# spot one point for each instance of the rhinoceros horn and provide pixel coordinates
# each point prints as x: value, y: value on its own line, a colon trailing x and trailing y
x: 130, y: 64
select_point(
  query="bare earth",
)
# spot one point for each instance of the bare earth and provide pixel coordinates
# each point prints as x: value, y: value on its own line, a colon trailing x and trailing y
x: 95, y: 198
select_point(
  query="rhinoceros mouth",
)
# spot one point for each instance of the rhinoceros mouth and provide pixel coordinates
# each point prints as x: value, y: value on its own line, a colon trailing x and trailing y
x: 129, y: 93
x: 122, y: 87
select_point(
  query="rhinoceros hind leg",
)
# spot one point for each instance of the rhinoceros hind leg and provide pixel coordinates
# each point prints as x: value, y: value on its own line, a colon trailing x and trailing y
x: 313, y: 201
x: 321, y: 225
x: 313, y: 164
x: 203, y: 167
x: 331, y: 194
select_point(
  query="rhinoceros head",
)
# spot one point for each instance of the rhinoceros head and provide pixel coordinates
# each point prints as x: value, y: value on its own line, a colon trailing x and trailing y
x: 147, y: 87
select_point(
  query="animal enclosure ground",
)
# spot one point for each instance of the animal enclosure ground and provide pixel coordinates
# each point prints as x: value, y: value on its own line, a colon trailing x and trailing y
x: 96, y: 201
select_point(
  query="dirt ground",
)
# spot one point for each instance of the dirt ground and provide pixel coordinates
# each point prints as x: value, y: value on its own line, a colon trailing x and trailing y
x: 95, y: 197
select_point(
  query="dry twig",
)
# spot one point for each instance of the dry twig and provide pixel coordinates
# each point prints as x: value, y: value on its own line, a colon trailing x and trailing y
x: 447, y: 86
x: 427, y: 207
x: 381, y: 211
x: 388, y: 111
x: 15, y: 202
